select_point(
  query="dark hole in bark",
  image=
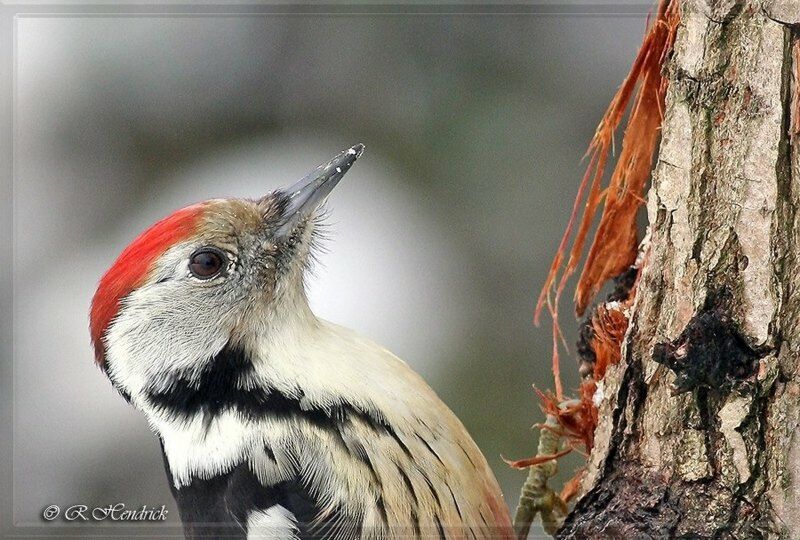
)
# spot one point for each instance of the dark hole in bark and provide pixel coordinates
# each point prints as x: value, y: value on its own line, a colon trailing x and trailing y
x: 710, y: 352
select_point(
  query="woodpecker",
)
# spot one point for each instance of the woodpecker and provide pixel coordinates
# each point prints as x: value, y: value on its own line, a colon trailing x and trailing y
x: 274, y: 423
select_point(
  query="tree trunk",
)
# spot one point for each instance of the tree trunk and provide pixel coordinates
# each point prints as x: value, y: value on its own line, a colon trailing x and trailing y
x: 699, y: 421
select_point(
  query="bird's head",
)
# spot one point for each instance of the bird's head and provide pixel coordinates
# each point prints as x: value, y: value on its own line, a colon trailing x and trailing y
x: 206, y: 277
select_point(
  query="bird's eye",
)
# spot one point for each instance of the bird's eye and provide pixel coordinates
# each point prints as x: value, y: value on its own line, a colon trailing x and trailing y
x: 206, y: 263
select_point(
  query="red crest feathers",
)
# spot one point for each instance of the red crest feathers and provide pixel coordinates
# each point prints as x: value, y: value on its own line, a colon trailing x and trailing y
x: 131, y: 269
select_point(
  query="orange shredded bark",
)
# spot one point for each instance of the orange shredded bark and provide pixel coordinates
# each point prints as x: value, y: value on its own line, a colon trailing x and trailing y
x: 614, y: 246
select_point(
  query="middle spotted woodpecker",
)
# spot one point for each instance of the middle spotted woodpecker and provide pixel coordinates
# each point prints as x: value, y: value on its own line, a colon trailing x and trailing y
x: 275, y: 423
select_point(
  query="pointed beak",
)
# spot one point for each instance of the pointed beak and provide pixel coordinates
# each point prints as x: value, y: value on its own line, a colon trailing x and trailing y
x: 308, y: 194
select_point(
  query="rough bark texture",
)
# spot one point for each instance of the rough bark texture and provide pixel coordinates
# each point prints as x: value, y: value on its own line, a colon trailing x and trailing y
x: 717, y: 312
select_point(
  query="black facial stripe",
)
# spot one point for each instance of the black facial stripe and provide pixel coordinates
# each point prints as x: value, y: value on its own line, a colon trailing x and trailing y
x: 222, y: 386
x: 216, y: 390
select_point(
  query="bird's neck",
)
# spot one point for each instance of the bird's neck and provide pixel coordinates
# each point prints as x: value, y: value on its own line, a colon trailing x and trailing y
x: 291, y: 312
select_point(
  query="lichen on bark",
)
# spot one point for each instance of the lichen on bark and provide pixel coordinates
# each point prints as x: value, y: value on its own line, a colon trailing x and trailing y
x: 718, y: 459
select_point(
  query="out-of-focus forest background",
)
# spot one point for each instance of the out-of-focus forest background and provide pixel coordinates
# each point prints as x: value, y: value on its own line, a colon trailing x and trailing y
x: 440, y: 236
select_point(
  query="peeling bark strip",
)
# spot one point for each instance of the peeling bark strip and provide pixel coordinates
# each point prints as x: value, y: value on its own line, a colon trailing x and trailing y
x: 723, y: 459
x: 613, y: 249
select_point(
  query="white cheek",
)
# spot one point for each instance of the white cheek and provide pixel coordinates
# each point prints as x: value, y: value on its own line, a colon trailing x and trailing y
x: 122, y: 370
x: 159, y: 330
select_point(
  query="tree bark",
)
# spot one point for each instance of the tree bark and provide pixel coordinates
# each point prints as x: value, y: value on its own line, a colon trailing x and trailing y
x: 717, y: 308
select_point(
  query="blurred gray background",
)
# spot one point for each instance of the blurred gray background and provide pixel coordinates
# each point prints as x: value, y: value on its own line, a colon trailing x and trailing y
x: 440, y: 237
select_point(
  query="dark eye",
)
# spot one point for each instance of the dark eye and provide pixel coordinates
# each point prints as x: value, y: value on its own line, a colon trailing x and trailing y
x: 206, y: 263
